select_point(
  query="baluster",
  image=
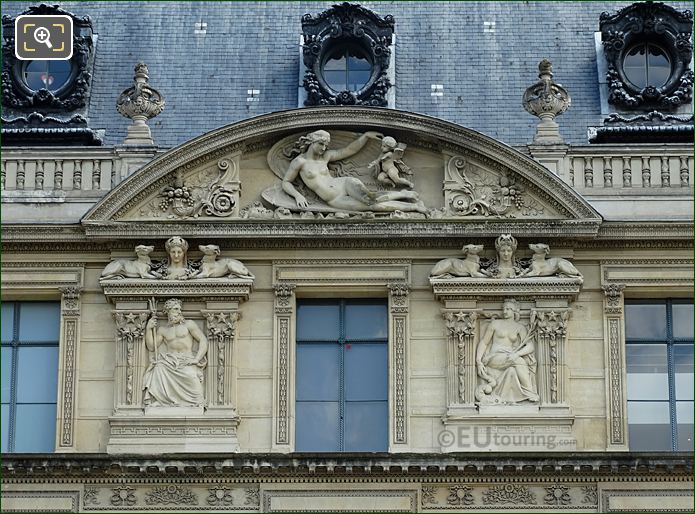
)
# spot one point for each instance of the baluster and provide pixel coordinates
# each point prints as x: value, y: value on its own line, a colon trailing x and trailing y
x: 665, y: 172
x: 588, y: 172
x: 20, y: 174
x: 627, y: 172
x: 38, y: 176
x: 58, y: 176
x: 96, y: 174
x: 77, y: 175
x: 684, y: 171
x: 646, y: 173
x: 607, y: 172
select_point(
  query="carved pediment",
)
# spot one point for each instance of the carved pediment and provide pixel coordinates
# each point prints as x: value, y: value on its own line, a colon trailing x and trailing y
x: 385, y: 165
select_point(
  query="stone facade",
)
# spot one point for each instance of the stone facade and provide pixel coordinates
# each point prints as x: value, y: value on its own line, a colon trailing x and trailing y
x: 240, y: 223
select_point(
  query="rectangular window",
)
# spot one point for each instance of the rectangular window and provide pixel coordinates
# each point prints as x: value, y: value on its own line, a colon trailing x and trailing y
x: 659, y: 355
x: 342, y: 376
x: 30, y: 332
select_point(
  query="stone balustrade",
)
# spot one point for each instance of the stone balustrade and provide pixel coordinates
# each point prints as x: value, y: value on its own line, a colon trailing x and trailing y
x: 43, y: 174
x: 643, y: 169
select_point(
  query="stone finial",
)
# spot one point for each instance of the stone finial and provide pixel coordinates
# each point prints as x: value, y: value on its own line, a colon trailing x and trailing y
x: 140, y: 103
x: 546, y: 100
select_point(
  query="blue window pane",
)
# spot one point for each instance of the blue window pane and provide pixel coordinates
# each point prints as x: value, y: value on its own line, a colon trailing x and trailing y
x: 645, y: 321
x: 37, y: 374
x: 39, y: 322
x: 647, y: 372
x: 649, y: 426
x: 366, y: 320
x: 366, y: 426
x: 6, y: 373
x: 318, y: 321
x: 318, y: 372
x: 35, y: 428
x: 7, y: 321
x: 684, y: 418
x: 683, y: 320
x: 366, y: 371
x: 683, y: 358
x: 5, y: 427
x: 318, y: 427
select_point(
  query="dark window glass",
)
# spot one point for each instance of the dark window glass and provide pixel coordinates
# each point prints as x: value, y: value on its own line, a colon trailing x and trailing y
x: 51, y: 75
x: 29, y: 376
x: 347, y: 69
x: 683, y: 320
x: 647, y: 65
x: 659, y: 375
x: 342, y: 376
x: 645, y: 321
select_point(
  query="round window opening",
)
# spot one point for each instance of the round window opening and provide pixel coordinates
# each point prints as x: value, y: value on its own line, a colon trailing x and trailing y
x: 347, y: 69
x: 50, y: 75
x: 647, y: 65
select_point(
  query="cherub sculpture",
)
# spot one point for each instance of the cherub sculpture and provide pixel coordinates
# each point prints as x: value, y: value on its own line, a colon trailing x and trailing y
x: 389, y: 166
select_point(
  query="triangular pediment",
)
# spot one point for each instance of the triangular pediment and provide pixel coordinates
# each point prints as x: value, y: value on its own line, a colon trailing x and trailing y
x: 426, y: 176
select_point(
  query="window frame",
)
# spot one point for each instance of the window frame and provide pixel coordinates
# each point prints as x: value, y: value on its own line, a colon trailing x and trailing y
x: 15, y: 344
x: 670, y: 341
x: 342, y: 343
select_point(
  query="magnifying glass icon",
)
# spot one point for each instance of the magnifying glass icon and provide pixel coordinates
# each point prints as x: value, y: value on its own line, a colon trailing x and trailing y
x: 43, y: 36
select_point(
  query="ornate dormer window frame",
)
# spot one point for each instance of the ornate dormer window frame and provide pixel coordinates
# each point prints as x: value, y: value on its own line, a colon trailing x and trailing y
x: 347, y: 26
x: 17, y: 95
x: 650, y: 23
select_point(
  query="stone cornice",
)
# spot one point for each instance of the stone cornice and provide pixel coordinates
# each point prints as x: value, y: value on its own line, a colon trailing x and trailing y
x: 49, y: 467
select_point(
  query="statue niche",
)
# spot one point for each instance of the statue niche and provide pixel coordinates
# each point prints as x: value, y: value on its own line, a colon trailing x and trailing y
x: 318, y: 179
x: 506, y: 359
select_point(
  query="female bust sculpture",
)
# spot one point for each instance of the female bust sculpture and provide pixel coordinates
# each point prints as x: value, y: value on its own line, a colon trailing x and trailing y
x: 177, y: 262
x: 506, y: 267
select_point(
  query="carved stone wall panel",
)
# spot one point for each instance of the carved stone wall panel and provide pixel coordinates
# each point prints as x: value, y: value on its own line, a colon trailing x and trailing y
x: 399, y: 341
x: 283, y: 368
x: 53, y: 281
x: 221, y: 333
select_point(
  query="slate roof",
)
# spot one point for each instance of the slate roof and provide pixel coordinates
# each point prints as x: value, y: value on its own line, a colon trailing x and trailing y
x: 255, y: 45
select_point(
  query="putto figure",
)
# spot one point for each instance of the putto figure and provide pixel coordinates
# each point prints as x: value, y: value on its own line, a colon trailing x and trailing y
x: 341, y: 193
x: 175, y: 376
x: 389, y: 166
x: 506, y: 360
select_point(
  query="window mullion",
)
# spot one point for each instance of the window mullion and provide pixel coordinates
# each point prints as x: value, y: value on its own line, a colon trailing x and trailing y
x: 671, y: 376
x: 13, y: 380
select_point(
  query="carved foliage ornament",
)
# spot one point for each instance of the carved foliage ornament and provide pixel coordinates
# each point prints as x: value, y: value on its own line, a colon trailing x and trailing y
x: 356, y: 30
x: 72, y: 95
x: 662, y: 27
x: 469, y: 192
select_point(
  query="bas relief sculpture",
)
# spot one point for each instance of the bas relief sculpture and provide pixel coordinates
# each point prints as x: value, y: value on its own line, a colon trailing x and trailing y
x: 175, y: 374
x: 506, y: 265
x: 176, y: 266
x: 506, y: 360
x: 309, y: 185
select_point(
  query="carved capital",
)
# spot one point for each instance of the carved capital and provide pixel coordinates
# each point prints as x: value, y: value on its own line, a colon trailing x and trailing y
x: 460, y: 323
x: 222, y: 325
x: 399, y: 292
x: 614, y: 298
x: 283, y: 297
x: 70, y: 305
